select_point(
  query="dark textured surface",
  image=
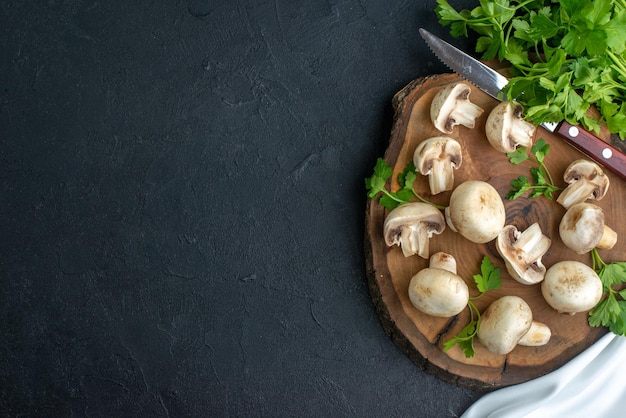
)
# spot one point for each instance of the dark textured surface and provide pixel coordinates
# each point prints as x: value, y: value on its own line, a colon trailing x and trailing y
x: 182, y: 208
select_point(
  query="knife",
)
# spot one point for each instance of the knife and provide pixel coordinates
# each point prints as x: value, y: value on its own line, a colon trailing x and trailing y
x: 492, y: 82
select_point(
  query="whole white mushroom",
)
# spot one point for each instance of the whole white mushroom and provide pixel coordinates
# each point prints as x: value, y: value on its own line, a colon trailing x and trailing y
x: 504, y: 323
x: 476, y: 211
x: 582, y: 229
x: 571, y: 287
x: 438, y: 290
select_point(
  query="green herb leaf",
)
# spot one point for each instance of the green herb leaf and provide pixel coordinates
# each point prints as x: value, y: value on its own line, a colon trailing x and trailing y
x: 542, y: 183
x: 518, y: 156
x: 520, y: 186
x: 375, y: 186
x: 465, y: 339
x: 376, y: 183
x: 613, y: 274
x: 540, y: 149
x: 610, y: 312
x: 489, y: 277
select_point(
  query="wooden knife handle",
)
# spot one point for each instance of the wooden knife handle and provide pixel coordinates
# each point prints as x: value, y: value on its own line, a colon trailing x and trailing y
x: 595, y: 148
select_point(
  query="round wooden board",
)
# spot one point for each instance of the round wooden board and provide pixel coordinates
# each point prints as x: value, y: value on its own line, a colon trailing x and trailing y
x: 421, y: 336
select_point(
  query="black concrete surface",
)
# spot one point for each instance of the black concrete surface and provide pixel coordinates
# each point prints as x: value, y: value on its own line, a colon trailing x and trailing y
x: 182, y: 208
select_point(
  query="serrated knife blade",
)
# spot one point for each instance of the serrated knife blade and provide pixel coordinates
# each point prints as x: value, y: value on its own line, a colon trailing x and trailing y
x: 492, y: 82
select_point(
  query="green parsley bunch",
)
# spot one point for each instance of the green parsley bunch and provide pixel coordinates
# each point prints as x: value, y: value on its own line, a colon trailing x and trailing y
x: 565, y: 55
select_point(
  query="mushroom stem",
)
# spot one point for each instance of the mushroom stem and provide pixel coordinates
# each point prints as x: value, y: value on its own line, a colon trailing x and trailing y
x: 414, y: 240
x: 533, y: 243
x: 443, y: 261
x: 522, y: 132
x: 608, y: 240
x: 576, y: 192
x: 522, y: 252
x: 465, y: 113
x: 529, y: 238
x: 539, y: 334
x: 441, y: 177
x: 542, y: 247
x: 585, y: 180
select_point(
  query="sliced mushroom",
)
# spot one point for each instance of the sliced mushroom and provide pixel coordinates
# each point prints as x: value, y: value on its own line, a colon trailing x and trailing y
x: 504, y: 323
x: 582, y: 229
x: 522, y: 252
x: 586, y: 180
x: 411, y: 226
x: 451, y: 106
x: 571, y: 287
x: 439, y: 292
x: 476, y: 211
x: 437, y: 158
x: 506, y: 128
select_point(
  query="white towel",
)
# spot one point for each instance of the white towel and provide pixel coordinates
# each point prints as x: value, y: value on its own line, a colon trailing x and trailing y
x: 592, y: 384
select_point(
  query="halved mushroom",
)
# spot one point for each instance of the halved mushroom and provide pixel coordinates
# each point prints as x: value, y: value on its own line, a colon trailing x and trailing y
x: 476, y: 211
x: 582, y: 229
x: 504, y: 323
x: 451, y: 106
x: 411, y: 226
x: 437, y: 291
x: 437, y: 158
x: 522, y: 252
x: 571, y: 287
x: 586, y: 180
x: 506, y: 128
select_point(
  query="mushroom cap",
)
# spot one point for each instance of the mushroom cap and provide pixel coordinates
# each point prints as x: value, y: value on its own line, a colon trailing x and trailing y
x: 522, y: 252
x: 437, y: 157
x: 506, y: 129
x: 571, y: 287
x: 586, y: 180
x: 437, y: 148
x: 476, y: 211
x: 582, y: 227
x: 411, y: 225
x: 504, y: 323
x: 451, y: 106
x: 438, y: 292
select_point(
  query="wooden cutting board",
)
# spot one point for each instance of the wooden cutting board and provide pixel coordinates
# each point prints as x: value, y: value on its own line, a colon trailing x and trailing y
x: 421, y: 336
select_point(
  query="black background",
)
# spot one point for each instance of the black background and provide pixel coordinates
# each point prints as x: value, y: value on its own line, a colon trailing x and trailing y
x: 183, y: 205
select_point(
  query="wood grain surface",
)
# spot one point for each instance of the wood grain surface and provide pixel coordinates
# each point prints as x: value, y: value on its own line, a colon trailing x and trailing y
x: 421, y: 336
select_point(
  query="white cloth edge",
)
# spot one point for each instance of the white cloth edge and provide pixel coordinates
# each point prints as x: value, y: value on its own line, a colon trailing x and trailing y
x: 591, y: 384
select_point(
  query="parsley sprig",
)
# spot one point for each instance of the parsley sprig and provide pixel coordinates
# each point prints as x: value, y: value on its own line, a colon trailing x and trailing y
x: 565, y: 56
x: 488, y: 279
x: 375, y: 186
x: 541, y: 182
x: 610, y: 312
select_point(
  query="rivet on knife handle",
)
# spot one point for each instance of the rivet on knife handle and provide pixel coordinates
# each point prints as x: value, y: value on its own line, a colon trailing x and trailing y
x: 600, y: 151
